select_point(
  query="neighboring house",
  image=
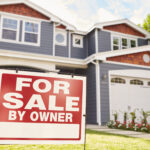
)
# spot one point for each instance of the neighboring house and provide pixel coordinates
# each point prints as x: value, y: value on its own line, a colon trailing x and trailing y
x: 115, y: 56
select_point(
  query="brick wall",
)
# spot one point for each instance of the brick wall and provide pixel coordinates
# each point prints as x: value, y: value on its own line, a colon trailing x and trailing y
x: 22, y: 9
x: 131, y: 59
x: 124, y: 28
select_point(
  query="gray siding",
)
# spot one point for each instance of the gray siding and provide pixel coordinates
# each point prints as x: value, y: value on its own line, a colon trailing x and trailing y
x: 20, y: 31
x: 104, y: 41
x: 76, y: 52
x: 91, y: 43
x: 104, y: 87
x: 91, y: 95
x: 46, y: 46
x: 142, y: 42
x: 62, y: 50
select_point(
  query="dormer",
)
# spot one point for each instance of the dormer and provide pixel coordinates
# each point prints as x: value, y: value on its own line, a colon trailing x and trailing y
x: 120, y: 34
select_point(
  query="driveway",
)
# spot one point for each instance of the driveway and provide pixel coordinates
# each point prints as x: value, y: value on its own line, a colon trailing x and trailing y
x: 118, y: 131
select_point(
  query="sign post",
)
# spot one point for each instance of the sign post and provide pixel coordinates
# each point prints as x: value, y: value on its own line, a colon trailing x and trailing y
x: 38, y: 108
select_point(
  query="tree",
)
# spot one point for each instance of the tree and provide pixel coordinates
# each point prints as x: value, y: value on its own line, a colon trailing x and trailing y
x: 146, y: 23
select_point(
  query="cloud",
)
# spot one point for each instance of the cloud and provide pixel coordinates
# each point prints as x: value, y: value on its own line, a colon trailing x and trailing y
x: 81, y: 13
x: 84, y: 13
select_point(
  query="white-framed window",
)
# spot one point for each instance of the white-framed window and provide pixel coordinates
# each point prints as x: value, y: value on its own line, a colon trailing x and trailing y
x: 60, y: 37
x: 133, y: 43
x: 77, y: 41
x: 31, y: 32
x: 9, y: 29
x: 123, y: 42
x: 116, y: 43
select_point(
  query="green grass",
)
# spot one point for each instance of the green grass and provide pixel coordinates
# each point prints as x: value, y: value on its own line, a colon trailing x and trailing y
x: 95, y: 141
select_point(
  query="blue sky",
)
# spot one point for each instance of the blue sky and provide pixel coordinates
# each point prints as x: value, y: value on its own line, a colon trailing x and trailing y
x: 85, y: 13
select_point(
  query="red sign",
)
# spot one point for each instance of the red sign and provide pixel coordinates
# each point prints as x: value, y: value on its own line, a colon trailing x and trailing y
x: 39, y: 108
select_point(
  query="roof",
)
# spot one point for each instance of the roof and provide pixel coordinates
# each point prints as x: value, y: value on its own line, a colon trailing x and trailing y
x: 122, y: 21
x: 69, y: 26
x: 53, y: 17
x: 104, y: 55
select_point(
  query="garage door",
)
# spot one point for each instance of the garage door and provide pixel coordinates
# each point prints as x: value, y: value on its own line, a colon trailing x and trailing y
x: 128, y: 94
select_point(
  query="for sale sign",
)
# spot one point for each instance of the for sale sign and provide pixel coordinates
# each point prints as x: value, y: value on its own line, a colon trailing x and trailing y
x: 41, y: 108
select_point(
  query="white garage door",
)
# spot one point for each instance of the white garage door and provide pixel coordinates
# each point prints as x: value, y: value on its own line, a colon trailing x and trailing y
x: 129, y: 93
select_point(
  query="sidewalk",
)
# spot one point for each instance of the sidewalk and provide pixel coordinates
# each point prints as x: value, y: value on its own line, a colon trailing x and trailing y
x: 117, y: 131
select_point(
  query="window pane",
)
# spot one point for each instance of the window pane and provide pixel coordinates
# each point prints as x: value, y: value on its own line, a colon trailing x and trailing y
x: 60, y: 38
x: 133, y: 43
x: 29, y: 37
x: 136, y: 82
x: 10, y: 23
x: 124, y: 42
x: 115, y: 47
x: 8, y: 34
x: 77, y: 41
x: 115, y: 41
x: 31, y: 27
x: 118, y: 80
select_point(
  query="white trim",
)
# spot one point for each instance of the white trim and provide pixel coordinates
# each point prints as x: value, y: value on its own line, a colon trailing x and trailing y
x: 104, y: 55
x: 98, y: 100
x: 62, y: 32
x: 45, y: 58
x: 96, y: 40
x: 80, y: 37
x: 126, y: 21
x: 126, y: 64
x: 123, y: 34
x: 20, y: 17
x: 136, y: 73
x: 38, y: 34
x: 54, y: 26
x: 120, y: 41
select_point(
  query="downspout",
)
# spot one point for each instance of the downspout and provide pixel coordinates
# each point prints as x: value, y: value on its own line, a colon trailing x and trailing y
x: 98, y: 102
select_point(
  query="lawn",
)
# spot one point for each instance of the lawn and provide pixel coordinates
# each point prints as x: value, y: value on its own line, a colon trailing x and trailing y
x: 95, y: 141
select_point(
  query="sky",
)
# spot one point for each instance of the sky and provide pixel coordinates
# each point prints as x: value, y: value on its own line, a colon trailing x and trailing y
x: 85, y: 13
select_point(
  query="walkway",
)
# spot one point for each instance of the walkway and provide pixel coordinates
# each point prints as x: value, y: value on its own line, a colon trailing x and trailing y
x: 117, y: 131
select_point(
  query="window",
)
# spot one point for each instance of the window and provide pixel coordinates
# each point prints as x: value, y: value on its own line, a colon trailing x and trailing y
x: 116, y: 43
x: 123, y: 43
x: 61, y: 37
x: 118, y: 80
x: 136, y: 82
x: 148, y: 83
x: 78, y: 41
x: 31, y: 32
x: 9, y: 29
x: 132, y: 43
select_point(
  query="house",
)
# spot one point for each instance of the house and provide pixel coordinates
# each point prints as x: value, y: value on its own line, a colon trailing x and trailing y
x: 114, y: 56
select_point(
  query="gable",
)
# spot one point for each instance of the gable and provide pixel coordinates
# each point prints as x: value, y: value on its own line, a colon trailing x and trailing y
x: 124, y: 28
x: 136, y: 58
x: 61, y: 27
x: 22, y: 9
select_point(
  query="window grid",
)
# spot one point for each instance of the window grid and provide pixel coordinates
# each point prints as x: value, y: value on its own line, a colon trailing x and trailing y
x: 123, y: 43
x: 116, y: 43
x: 118, y: 80
x: 136, y: 82
x: 31, y: 31
x: 148, y: 83
x: 9, y: 29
